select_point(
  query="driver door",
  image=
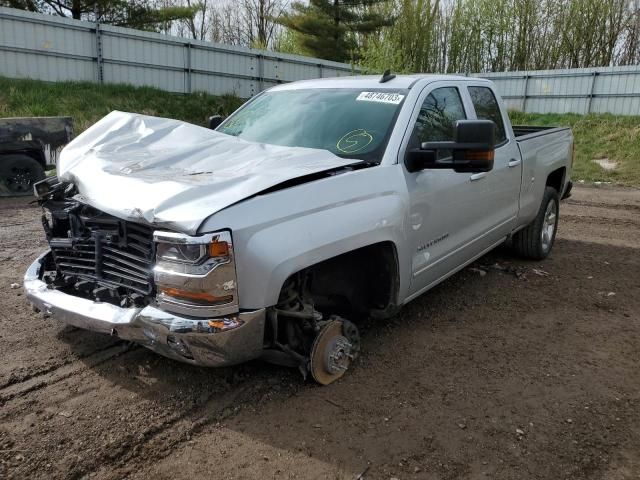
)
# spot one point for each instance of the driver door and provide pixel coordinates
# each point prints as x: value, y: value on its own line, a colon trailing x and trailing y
x: 446, y: 209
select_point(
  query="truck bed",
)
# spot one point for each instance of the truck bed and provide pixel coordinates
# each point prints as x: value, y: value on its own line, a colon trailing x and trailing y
x: 543, y: 150
x: 524, y: 132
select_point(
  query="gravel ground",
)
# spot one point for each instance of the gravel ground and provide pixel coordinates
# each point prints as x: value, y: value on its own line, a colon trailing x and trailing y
x: 510, y: 369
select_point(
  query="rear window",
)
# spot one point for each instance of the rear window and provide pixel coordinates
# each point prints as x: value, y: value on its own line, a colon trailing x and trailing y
x: 486, y: 106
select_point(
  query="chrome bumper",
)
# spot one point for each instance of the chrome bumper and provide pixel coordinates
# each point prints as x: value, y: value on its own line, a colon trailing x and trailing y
x: 211, y: 342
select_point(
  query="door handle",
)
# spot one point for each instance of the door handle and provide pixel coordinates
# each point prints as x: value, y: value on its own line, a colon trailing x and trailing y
x: 514, y: 163
x: 477, y: 176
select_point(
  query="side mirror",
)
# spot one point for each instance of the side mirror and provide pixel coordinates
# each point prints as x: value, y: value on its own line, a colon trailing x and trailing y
x: 215, y: 121
x: 472, y: 150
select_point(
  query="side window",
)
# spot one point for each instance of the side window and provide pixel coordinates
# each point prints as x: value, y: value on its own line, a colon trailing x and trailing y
x: 437, y: 118
x: 486, y: 105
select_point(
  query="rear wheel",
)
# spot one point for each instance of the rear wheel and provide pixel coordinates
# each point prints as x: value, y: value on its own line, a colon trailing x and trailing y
x: 536, y: 240
x: 18, y: 173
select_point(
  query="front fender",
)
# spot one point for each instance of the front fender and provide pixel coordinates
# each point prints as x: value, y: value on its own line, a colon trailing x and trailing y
x: 278, y: 234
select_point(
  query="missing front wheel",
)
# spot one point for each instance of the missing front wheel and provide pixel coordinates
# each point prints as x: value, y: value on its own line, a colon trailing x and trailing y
x: 300, y: 336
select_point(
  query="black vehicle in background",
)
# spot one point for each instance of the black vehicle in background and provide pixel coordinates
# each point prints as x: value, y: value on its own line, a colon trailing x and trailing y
x: 29, y: 147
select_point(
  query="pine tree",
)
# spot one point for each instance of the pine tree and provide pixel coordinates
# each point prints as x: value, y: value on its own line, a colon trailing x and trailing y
x: 328, y: 28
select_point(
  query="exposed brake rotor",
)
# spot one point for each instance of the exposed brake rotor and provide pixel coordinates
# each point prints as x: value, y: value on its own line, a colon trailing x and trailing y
x: 335, y: 347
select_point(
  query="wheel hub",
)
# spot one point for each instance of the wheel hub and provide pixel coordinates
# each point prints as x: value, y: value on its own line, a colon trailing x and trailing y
x: 335, y: 347
x: 338, y: 355
x: 20, y: 181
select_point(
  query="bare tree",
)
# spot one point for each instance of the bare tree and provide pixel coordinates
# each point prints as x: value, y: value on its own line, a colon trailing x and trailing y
x: 629, y: 52
x: 259, y: 21
x: 242, y: 22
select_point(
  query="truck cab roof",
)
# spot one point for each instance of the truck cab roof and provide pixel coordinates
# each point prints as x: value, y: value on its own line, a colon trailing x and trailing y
x: 372, y: 81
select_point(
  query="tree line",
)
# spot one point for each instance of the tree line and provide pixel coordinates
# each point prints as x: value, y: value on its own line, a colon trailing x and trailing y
x: 404, y: 35
x: 504, y: 35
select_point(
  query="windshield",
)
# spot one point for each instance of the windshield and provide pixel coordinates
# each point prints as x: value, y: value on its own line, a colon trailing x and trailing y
x: 350, y: 123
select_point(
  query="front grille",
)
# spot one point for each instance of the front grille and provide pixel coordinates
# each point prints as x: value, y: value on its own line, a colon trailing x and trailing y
x: 111, y: 252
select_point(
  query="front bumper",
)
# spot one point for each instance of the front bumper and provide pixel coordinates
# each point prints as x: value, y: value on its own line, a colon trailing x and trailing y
x: 211, y: 342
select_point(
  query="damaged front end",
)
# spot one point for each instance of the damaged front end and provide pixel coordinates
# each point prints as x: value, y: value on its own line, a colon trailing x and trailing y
x: 173, y: 293
x: 95, y: 255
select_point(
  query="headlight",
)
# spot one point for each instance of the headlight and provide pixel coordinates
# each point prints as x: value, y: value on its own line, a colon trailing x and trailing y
x: 195, y: 255
x: 195, y: 275
x: 187, y: 253
x: 181, y: 249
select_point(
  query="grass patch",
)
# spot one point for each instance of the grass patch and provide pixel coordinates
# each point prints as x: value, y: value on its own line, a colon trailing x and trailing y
x: 597, y: 136
x: 89, y: 102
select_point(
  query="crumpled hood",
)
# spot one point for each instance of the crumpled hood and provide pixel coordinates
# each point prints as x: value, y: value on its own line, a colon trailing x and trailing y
x: 175, y: 174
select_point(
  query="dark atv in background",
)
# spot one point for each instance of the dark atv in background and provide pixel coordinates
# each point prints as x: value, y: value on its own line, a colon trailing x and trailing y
x: 28, y: 147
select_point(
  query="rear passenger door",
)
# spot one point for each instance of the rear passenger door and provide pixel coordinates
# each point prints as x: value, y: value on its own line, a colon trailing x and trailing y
x: 502, y: 184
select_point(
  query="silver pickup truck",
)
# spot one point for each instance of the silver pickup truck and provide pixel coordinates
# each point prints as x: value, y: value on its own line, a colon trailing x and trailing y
x: 315, y: 205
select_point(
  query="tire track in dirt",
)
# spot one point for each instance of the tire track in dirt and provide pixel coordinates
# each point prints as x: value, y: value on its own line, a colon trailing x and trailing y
x: 87, y: 411
x: 622, y: 222
x: 61, y: 372
x: 157, y: 437
x: 161, y: 440
x: 587, y: 203
x: 30, y: 345
x: 50, y: 369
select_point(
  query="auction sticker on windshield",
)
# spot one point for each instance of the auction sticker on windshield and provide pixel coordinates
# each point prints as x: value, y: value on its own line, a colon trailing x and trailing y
x: 382, y: 97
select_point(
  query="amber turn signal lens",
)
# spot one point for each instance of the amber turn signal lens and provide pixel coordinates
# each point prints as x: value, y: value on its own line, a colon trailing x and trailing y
x: 197, y: 296
x: 219, y: 249
x: 479, y: 155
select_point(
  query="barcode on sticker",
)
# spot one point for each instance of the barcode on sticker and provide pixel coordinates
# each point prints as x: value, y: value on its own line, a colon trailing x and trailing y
x: 382, y: 97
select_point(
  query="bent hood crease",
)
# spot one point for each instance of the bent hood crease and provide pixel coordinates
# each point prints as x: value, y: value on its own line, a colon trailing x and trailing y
x: 174, y: 174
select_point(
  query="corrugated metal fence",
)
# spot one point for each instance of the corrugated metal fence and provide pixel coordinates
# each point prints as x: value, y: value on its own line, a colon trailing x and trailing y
x: 53, y: 48
x: 581, y: 90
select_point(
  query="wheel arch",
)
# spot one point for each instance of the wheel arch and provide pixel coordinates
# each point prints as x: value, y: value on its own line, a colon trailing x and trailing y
x: 364, y: 281
x: 33, y: 151
x: 556, y: 179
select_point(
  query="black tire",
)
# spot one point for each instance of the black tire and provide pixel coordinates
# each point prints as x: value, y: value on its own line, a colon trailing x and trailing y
x: 530, y: 241
x: 18, y: 173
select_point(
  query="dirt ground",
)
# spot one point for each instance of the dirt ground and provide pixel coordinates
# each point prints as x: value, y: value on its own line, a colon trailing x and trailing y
x: 508, y: 370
